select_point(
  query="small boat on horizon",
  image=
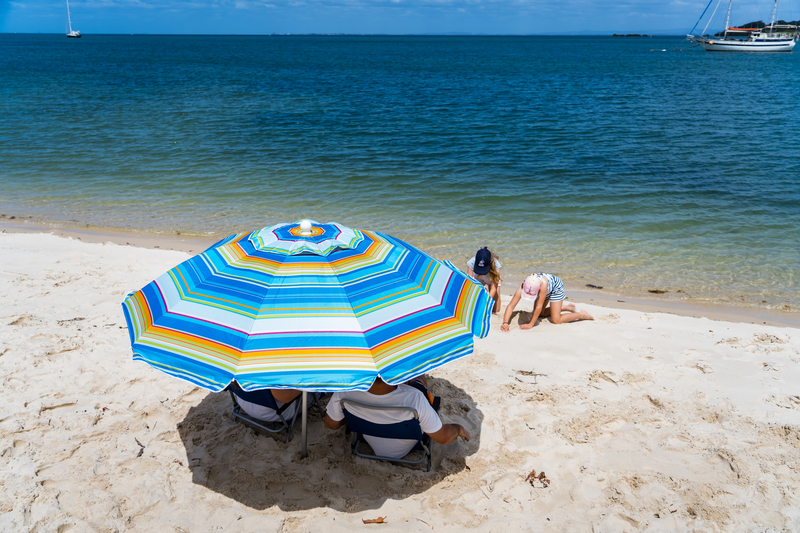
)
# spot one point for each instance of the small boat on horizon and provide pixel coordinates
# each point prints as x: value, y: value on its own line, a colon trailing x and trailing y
x: 70, y: 32
x: 771, y: 38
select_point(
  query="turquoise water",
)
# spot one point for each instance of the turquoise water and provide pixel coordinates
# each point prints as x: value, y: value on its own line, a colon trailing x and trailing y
x: 604, y: 160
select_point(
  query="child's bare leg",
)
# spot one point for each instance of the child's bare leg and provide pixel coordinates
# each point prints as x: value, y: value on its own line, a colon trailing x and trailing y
x: 557, y: 318
x: 494, y: 292
x: 565, y: 306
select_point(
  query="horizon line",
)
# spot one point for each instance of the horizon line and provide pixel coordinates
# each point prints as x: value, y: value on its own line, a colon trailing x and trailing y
x: 319, y: 34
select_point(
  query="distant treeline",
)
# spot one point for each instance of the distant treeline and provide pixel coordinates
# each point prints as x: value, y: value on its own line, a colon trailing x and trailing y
x: 762, y: 24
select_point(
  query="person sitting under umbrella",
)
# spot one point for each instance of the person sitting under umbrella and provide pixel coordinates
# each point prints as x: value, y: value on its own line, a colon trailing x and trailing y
x: 264, y: 413
x: 403, y: 395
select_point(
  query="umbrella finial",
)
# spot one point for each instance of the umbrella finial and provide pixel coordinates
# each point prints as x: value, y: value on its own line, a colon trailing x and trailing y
x: 305, y: 227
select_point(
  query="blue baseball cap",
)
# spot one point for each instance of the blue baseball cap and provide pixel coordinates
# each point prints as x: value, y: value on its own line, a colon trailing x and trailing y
x: 483, y: 260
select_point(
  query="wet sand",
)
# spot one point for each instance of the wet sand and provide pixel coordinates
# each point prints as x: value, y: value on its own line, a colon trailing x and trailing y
x: 197, y: 243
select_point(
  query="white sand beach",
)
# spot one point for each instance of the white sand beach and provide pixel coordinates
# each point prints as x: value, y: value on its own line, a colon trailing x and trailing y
x: 642, y: 421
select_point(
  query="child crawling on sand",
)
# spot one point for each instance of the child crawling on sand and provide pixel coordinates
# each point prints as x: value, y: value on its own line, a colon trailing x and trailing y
x: 544, y: 289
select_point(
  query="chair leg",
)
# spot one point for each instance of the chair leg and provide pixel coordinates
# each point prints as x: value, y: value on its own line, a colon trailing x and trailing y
x: 429, y: 451
x: 316, y: 399
x: 297, y: 413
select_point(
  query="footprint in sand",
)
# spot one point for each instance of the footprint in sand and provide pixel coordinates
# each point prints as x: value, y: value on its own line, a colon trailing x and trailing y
x: 691, y: 352
x: 636, y: 380
x: 643, y: 350
x: 613, y: 318
x: 596, y: 376
x: 759, y: 342
x: 25, y: 320
x: 732, y: 341
x: 771, y: 367
x: 44, y: 337
x: 645, y: 318
x: 701, y: 366
x: 784, y: 402
x: 766, y: 338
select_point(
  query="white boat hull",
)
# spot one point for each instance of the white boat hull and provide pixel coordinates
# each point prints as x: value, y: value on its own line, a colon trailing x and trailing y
x: 783, y: 45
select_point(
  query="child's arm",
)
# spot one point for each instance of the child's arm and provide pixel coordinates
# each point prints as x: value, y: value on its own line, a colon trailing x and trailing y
x: 537, y: 310
x: 510, y: 309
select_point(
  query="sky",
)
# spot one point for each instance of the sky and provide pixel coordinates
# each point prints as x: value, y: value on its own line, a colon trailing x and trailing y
x: 496, y: 17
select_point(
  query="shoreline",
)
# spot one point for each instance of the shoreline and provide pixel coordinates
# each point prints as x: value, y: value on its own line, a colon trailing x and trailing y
x: 93, y: 234
x: 195, y: 244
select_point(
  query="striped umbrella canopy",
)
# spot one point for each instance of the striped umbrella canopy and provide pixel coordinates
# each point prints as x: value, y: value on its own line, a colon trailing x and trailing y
x: 306, y: 306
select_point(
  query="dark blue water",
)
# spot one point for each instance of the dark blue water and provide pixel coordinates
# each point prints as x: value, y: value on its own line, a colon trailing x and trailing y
x: 604, y: 160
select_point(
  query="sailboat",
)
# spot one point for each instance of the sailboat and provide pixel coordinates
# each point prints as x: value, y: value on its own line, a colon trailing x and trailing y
x: 70, y: 32
x: 771, y: 38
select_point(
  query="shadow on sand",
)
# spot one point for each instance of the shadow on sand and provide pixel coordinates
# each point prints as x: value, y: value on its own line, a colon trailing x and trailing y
x: 260, y: 471
x: 524, y: 317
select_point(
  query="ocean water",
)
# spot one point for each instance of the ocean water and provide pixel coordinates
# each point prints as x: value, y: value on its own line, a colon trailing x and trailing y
x: 608, y: 161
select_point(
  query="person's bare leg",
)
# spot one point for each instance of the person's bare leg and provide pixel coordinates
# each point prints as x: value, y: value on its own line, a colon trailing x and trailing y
x: 494, y: 292
x: 565, y: 307
x: 557, y: 318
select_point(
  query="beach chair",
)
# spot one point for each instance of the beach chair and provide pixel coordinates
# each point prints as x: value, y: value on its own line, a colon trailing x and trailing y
x: 266, y: 399
x: 407, y: 429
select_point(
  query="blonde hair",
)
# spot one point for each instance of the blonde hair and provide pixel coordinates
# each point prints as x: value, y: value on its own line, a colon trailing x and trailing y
x: 494, y: 274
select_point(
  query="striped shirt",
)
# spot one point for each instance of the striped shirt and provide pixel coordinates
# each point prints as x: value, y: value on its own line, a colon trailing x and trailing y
x: 555, y: 287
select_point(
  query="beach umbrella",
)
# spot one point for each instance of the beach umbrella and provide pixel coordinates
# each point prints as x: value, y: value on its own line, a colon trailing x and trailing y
x: 315, y: 307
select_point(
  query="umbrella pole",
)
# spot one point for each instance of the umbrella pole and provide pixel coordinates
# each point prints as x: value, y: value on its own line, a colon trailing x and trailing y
x: 304, y: 428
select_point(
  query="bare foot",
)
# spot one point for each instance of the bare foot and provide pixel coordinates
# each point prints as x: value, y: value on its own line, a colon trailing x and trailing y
x: 584, y: 315
x: 568, y: 307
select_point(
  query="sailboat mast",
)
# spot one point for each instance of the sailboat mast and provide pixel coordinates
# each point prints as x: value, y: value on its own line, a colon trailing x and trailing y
x: 727, y: 19
x: 774, y: 11
x: 69, y: 21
